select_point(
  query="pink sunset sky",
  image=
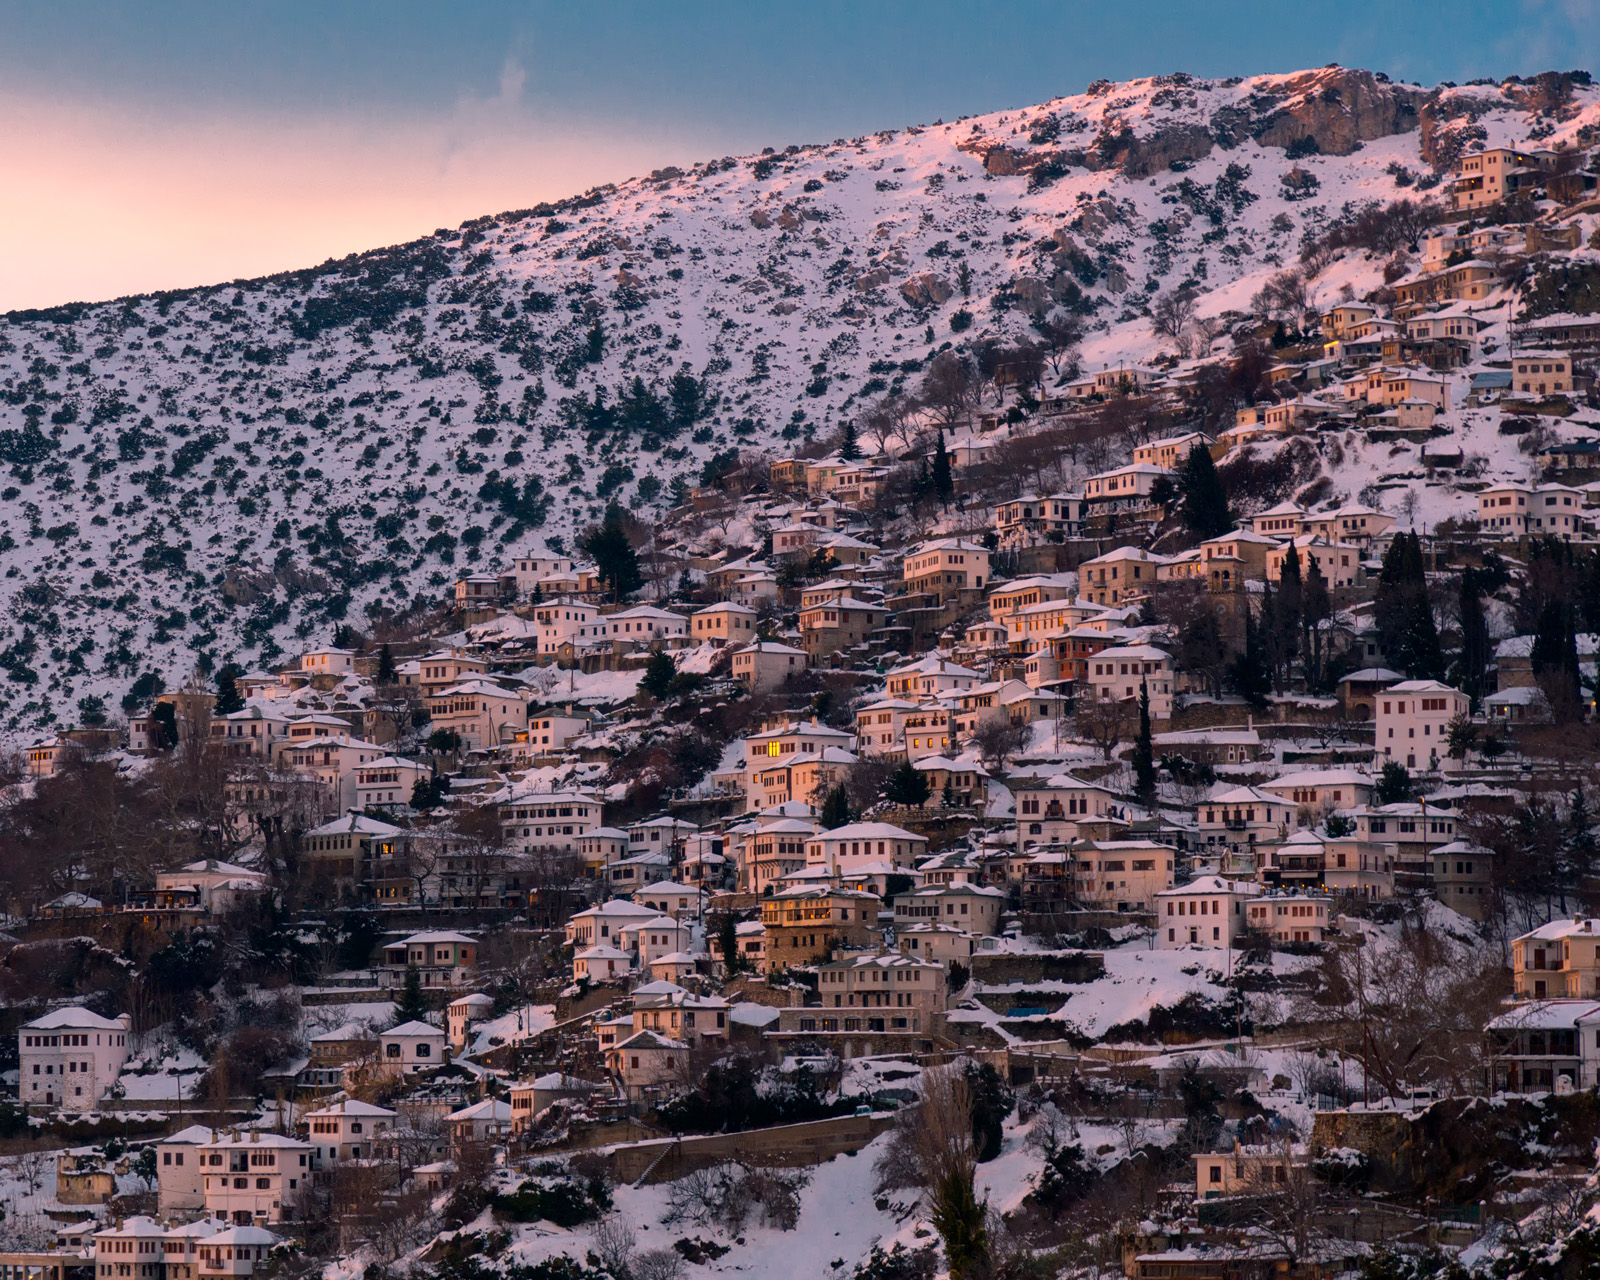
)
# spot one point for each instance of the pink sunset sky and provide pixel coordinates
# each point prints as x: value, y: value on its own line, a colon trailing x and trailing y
x: 157, y: 144
x: 101, y: 201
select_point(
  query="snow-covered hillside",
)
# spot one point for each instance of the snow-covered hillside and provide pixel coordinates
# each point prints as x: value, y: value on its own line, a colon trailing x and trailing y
x: 219, y: 473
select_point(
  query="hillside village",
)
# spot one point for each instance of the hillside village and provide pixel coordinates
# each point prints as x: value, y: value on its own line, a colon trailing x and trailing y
x: 1117, y: 798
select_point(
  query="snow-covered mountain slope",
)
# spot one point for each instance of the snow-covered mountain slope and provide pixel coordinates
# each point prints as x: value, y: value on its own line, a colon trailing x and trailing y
x: 227, y: 471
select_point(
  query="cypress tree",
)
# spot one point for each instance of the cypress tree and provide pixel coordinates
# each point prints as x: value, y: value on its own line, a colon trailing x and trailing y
x: 386, y: 671
x: 1291, y: 595
x: 1555, y: 659
x: 728, y: 942
x: 1144, y: 761
x: 1315, y: 609
x: 1248, y: 673
x: 835, y: 809
x: 1205, y: 501
x: 1475, y: 651
x: 1403, y: 612
x: 943, y: 485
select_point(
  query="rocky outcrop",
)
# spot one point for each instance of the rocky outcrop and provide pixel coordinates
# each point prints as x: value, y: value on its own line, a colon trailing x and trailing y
x: 1003, y: 162
x: 1033, y: 295
x: 1449, y: 127
x: 1156, y: 154
x: 1337, y: 109
x: 869, y: 280
x: 926, y: 290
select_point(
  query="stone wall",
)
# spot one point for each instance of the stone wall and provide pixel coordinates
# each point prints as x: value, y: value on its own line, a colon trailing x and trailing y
x: 791, y: 1146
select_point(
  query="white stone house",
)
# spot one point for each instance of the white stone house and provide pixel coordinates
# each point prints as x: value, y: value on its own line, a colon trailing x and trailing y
x: 411, y: 1047
x: 1206, y: 912
x: 69, y: 1058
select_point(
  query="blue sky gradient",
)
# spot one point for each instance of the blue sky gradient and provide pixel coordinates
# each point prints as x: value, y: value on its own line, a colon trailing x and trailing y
x: 171, y: 142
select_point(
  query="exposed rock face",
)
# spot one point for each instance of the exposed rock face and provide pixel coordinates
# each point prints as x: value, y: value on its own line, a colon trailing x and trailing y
x: 926, y: 290
x: 1002, y: 162
x: 874, y: 279
x: 1448, y: 127
x: 1338, y: 109
x: 1033, y: 295
x: 760, y: 219
x: 1155, y: 154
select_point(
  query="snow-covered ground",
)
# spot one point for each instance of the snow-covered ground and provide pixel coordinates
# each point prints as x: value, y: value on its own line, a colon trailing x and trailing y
x: 229, y: 471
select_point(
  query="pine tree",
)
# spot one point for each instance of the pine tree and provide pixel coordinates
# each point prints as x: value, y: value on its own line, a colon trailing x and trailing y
x: 229, y: 699
x: 608, y: 546
x: 835, y: 809
x: 1394, y: 784
x: 412, y: 1006
x: 1144, y: 761
x: 1205, y: 501
x: 943, y: 485
x: 659, y: 674
x: 386, y: 672
x: 849, y: 449
x: 907, y: 786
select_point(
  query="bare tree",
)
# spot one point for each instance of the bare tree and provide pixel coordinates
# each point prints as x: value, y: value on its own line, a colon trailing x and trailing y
x: 1290, y: 1203
x: 614, y: 1244
x: 999, y: 739
x: 1172, y: 312
x: 1284, y: 294
x: 1103, y: 723
x: 33, y: 1168
x: 951, y: 388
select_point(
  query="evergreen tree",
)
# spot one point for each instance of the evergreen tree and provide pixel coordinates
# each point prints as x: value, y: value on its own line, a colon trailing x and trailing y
x: 1578, y: 846
x: 907, y: 786
x: 427, y: 793
x: 1403, y: 612
x: 386, y: 672
x: 1205, y: 501
x: 943, y: 485
x: 166, y: 720
x: 411, y: 1005
x: 1555, y: 660
x: 849, y: 449
x: 1315, y: 609
x: 835, y: 809
x: 728, y: 942
x: 1291, y: 596
x: 1248, y: 672
x: 229, y: 699
x: 1475, y: 654
x: 1267, y: 633
x: 659, y: 674
x: 608, y: 546
x: 1394, y: 784
x: 1144, y: 760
